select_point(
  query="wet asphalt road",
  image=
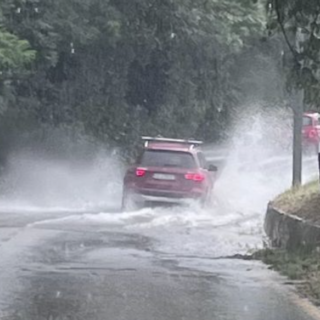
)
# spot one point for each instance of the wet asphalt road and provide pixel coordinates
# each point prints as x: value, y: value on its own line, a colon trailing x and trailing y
x: 66, y: 271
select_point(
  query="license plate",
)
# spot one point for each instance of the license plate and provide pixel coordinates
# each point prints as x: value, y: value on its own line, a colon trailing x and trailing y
x: 162, y: 176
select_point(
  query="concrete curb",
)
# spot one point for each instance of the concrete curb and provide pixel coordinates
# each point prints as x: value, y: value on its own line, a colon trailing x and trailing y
x: 288, y: 231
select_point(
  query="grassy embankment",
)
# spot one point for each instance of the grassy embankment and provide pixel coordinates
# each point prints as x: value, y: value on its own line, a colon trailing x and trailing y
x: 303, y: 264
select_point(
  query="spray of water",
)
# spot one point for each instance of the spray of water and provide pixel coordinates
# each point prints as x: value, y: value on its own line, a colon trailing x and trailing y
x: 33, y: 181
x: 257, y: 168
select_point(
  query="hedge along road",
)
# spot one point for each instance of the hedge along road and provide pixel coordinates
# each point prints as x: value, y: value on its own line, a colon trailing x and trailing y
x: 151, y: 264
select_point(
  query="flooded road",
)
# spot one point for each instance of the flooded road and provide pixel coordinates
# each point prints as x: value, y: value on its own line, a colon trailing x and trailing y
x: 151, y: 264
x: 90, y: 272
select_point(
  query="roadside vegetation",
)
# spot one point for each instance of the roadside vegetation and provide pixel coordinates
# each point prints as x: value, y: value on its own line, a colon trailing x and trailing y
x: 298, y: 21
x: 303, y: 202
x: 116, y: 70
x: 301, y: 266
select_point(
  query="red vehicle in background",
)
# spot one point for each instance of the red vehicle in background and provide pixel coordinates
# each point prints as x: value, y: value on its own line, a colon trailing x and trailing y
x: 311, y: 131
x: 168, y: 171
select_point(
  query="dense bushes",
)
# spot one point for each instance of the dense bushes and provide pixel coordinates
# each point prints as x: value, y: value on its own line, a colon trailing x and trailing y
x: 116, y: 69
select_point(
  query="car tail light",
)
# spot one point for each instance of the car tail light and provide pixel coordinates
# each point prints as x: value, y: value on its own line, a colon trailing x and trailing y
x: 140, y: 172
x: 195, y: 177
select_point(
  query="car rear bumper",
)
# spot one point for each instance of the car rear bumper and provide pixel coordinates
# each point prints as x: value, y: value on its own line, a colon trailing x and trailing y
x: 156, y: 196
x: 166, y: 200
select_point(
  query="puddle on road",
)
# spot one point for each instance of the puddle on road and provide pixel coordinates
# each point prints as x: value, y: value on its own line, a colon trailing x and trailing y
x: 233, y: 225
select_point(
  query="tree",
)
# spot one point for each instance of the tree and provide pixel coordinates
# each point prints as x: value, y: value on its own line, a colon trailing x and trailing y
x: 15, y: 56
x: 300, y: 24
x: 299, y: 21
x: 119, y: 69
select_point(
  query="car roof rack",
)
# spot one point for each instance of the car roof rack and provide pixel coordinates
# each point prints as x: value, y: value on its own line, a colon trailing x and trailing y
x: 160, y: 139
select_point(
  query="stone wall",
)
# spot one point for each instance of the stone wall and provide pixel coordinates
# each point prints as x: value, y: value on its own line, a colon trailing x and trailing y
x: 288, y: 231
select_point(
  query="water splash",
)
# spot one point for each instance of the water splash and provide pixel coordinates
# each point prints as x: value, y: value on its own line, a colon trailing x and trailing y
x: 254, y: 173
x: 38, y: 183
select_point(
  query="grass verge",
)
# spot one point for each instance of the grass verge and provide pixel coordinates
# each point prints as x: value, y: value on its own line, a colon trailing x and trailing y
x: 303, y: 202
x: 302, y: 266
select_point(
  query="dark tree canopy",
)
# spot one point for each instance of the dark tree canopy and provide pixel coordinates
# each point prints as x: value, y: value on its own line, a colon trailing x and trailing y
x: 117, y: 69
x: 299, y: 22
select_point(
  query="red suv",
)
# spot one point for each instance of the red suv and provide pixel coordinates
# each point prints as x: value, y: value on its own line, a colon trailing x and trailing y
x: 168, y: 171
x: 311, y: 131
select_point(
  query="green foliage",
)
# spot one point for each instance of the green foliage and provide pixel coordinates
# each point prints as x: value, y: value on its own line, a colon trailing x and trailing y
x: 14, y: 53
x: 15, y: 56
x: 299, y: 21
x: 119, y: 69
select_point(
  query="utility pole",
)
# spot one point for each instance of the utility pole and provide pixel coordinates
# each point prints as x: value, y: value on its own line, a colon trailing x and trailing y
x: 296, y: 100
x: 297, y: 106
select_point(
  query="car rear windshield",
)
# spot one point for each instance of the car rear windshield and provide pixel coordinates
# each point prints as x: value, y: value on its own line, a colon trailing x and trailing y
x: 173, y: 159
x: 307, y: 121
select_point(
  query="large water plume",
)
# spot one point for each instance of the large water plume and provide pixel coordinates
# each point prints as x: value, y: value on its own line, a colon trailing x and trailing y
x: 62, y: 174
x: 257, y: 167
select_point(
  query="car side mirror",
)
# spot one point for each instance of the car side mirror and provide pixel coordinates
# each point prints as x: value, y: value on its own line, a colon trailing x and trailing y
x: 213, y: 168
